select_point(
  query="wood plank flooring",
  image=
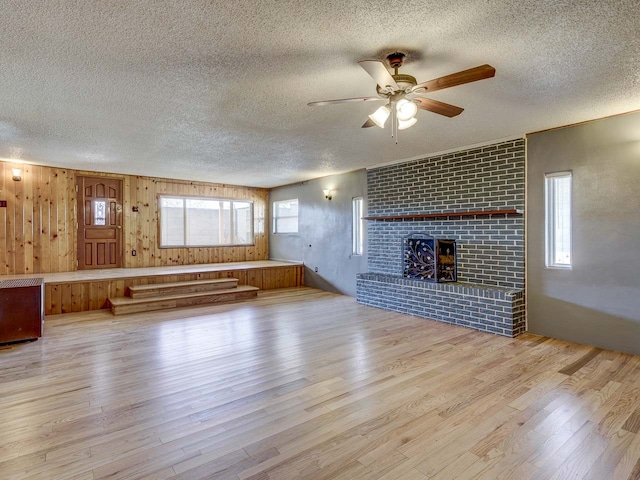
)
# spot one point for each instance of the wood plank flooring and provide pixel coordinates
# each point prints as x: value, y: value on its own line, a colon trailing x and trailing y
x: 304, y: 384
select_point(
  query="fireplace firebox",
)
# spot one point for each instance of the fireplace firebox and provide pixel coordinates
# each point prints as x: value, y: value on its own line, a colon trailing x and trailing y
x: 431, y: 259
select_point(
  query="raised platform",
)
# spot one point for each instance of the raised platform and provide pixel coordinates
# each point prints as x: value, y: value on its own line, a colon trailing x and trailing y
x: 481, y: 307
x: 90, y: 289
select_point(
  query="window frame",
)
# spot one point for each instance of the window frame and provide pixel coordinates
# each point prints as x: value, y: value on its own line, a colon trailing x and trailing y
x: 276, y: 217
x: 231, y: 201
x: 551, y: 219
x: 357, y: 229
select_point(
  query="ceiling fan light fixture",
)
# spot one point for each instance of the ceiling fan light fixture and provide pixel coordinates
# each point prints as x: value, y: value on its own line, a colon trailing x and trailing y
x: 402, y: 93
x: 406, y: 110
x: 404, y: 124
x: 379, y: 117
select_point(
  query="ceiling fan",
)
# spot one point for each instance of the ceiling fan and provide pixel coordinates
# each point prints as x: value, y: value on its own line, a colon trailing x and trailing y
x: 403, y: 93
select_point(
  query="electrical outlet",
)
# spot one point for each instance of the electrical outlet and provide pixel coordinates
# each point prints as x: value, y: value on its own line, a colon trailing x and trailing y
x: 315, y: 269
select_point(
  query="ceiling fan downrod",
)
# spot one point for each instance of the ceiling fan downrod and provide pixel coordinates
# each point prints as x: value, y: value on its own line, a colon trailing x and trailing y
x: 395, y: 60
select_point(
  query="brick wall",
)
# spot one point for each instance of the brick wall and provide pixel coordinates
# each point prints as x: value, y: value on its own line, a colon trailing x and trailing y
x: 490, y: 249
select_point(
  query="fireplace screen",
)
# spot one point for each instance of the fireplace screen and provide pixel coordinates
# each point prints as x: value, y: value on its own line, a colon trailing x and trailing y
x: 429, y: 258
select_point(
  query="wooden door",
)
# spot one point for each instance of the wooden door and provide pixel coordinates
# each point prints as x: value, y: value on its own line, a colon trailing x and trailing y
x: 99, y: 223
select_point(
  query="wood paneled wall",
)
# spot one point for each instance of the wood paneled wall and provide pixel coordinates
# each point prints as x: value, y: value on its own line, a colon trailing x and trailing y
x: 141, y: 229
x: 38, y: 226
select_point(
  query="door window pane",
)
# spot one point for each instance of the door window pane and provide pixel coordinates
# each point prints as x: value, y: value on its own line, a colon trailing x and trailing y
x: 100, y: 212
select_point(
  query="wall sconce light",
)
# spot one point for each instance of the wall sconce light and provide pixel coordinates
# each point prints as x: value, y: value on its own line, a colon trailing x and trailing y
x: 327, y: 194
x: 16, y: 174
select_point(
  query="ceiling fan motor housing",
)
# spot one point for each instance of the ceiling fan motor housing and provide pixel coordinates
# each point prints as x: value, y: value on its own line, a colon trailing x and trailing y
x: 404, y: 81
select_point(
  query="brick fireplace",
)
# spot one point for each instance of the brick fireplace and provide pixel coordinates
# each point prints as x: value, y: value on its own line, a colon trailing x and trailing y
x: 489, y: 292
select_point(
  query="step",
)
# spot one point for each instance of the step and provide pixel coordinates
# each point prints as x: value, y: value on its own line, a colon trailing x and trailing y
x: 121, y: 305
x: 194, y: 286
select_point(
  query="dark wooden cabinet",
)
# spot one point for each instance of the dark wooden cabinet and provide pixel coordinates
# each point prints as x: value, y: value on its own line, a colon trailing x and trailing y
x: 21, y: 309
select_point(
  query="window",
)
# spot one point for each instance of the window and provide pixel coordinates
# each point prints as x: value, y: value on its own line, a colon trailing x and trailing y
x: 558, y: 219
x: 358, y: 226
x: 205, y: 222
x: 285, y: 216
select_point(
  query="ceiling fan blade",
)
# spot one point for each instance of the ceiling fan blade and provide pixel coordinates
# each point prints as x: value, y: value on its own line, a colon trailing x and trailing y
x: 368, y: 123
x: 344, y: 100
x: 459, y: 78
x: 379, y: 73
x: 438, y: 107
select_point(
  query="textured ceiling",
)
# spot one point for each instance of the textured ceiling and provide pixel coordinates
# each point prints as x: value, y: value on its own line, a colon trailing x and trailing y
x: 217, y: 90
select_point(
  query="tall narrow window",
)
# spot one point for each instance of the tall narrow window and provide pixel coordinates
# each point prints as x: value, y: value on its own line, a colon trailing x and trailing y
x: 558, y: 219
x: 358, y: 226
x: 285, y: 216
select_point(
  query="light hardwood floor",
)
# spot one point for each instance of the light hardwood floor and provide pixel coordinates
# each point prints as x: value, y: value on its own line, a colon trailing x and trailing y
x: 303, y: 384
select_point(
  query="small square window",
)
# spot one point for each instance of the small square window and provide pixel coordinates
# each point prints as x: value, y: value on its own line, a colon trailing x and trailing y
x: 285, y: 216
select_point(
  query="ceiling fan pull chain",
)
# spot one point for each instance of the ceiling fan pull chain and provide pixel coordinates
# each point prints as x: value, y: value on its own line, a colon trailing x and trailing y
x: 395, y: 124
x: 393, y: 121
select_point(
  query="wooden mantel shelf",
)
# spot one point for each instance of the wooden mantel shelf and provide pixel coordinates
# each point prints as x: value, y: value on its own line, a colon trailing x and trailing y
x: 426, y: 216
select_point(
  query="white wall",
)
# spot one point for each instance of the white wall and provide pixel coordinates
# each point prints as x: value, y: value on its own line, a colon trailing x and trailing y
x: 597, y: 302
x: 324, y: 239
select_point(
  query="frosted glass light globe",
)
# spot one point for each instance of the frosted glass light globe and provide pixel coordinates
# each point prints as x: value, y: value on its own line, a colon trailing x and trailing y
x: 406, y: 109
